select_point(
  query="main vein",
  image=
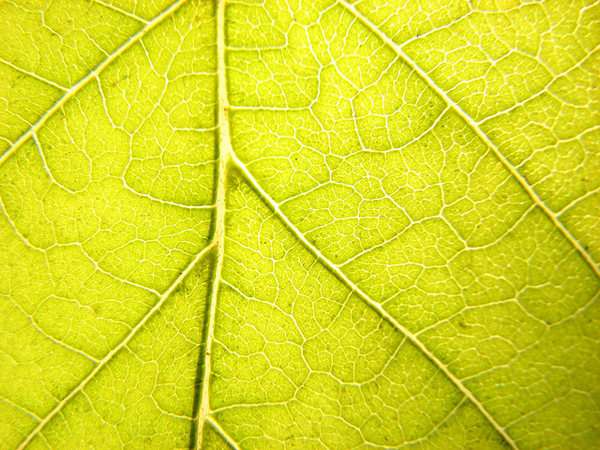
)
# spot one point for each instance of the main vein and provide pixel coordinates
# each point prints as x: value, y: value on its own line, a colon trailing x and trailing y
x: 477, y: 129
x: 228, y: 154
x: 90, y: 76
x: 225, y: 153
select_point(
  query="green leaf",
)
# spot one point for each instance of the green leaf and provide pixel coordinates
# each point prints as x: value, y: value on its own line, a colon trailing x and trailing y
x: 326, y: 224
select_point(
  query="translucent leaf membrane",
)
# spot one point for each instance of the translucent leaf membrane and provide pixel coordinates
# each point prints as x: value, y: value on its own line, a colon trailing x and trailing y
x: 299, y: 225
x: 144, y: 396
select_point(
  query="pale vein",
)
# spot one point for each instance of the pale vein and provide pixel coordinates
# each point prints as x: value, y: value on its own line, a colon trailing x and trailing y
x: 477, y: 129
x: 90, y: 76
x: 114, y: 351
x: 218, y: 240
x: 412, y: 337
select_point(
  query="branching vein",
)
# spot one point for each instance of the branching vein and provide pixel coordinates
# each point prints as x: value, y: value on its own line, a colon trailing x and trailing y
x: 90, y: 76
x: 335, y: 269
x: 480, y: 133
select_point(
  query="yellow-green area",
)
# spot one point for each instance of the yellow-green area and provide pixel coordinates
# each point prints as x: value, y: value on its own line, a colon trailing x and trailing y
x: 277, y: 225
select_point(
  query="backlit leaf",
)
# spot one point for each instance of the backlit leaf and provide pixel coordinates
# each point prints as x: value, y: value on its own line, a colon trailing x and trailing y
x: 325, y: 224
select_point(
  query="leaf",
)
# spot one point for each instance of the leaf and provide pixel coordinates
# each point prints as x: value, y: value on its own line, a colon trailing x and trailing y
x: 325, y: 224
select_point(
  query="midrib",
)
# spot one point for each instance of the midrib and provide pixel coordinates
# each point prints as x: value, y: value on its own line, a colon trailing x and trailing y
x: 225, y: 152
x: 226, y: 155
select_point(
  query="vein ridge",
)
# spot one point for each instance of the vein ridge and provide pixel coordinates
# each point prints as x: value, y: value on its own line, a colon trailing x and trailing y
x: 219, y: 429
x: 33, y: 75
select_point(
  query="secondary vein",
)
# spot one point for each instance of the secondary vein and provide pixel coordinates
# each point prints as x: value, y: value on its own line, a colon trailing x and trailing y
x: 90, y: 76
x: 114, y: 351
x: 480, y: 133
x: 412, y: 337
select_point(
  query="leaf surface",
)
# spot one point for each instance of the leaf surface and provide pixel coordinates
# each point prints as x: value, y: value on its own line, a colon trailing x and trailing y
x: 283, y: 225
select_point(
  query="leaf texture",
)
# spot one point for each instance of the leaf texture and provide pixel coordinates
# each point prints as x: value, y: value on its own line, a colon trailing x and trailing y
x: 270, y: 224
